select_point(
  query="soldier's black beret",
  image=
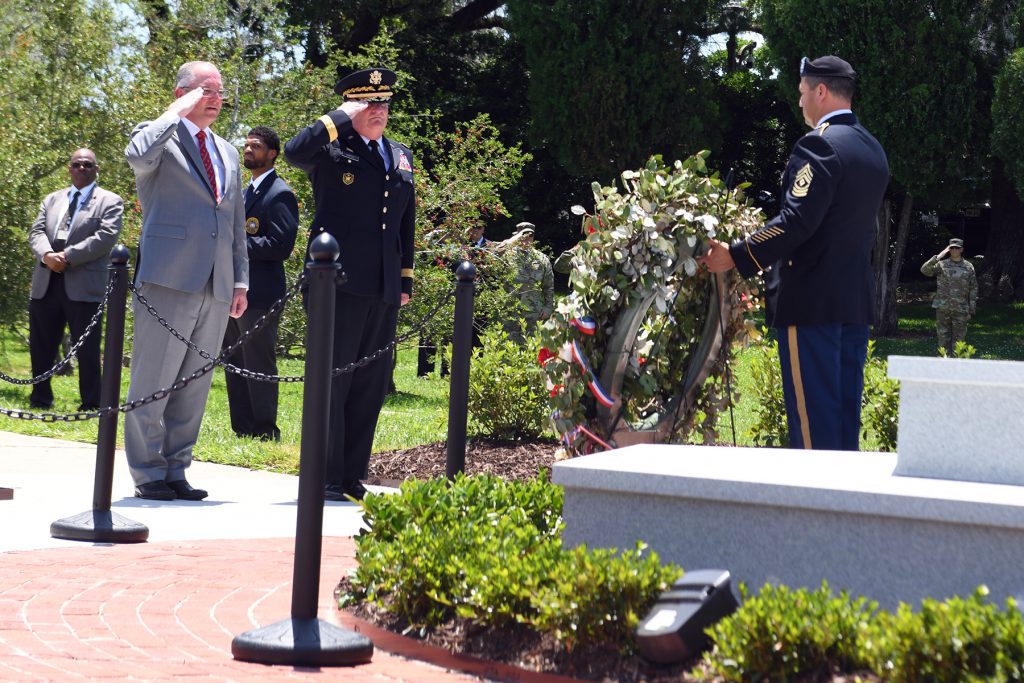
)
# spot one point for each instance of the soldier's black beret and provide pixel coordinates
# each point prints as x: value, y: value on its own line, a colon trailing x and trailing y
x: 367, y: 85
x: 829, y: 66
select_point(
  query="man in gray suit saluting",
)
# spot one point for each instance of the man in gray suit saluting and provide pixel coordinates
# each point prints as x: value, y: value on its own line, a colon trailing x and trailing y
x: 192, y: 268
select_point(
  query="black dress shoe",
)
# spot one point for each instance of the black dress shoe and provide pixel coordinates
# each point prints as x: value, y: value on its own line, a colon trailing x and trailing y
x: 184, y: 491
x: 354, y: 488
x: 87, y: 408
x: 154, y: 490
x: 334, y: 492
x: 39, y: 405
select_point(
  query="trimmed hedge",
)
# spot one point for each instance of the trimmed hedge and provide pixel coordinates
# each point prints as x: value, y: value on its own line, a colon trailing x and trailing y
x: 490, y: 551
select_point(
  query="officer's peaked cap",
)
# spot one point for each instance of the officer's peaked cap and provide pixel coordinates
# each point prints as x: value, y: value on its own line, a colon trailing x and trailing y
x: 828, y: 66
x: 367, y: 85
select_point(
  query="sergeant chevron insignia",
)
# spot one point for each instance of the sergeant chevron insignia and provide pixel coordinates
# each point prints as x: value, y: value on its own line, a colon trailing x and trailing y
x: 802, y: 182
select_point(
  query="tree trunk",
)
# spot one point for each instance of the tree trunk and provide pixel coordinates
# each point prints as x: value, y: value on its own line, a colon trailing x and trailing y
x: 880, y: 256
x: 1004, y: 255
x: 888, y: 322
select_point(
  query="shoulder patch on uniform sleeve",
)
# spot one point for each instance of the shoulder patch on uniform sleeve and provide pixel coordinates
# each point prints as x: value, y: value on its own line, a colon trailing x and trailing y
x: 802, y: 182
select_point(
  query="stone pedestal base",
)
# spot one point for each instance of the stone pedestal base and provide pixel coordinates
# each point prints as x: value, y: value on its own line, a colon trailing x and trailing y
x: 798, y: 517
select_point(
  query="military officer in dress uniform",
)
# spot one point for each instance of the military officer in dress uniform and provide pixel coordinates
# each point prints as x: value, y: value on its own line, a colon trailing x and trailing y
x: 363, y: 186
x: 816, y: 256
x: 271, y: 223
x: 956, y: 293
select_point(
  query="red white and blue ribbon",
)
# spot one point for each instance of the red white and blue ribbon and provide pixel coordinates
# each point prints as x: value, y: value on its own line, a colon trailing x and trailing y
x: 585, y: 324
x: 592, y: 383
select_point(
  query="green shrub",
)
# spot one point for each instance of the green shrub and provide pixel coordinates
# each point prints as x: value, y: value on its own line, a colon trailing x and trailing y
x: 507, y: 392
x: 490, y: 551
x: 880, y: 404
x: 952, y: 641
x: 961, y: 350
x: 769, y: 427
x: 782, y: 633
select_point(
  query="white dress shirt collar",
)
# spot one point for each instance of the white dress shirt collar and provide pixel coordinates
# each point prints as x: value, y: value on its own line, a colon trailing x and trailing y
x: 829, y: 115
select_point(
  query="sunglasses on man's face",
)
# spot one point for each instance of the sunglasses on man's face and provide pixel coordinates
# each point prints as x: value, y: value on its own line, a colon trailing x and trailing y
x: 83, y: 164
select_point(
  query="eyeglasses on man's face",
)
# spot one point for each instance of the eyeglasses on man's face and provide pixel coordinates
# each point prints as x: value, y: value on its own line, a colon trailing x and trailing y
x: 210, y: 92
x: 83, y: 164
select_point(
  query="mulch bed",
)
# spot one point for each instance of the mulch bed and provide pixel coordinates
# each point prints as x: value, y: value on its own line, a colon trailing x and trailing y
x: 512, y: 460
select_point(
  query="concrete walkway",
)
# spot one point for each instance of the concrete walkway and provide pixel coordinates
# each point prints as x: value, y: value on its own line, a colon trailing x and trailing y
x: 168, y: 608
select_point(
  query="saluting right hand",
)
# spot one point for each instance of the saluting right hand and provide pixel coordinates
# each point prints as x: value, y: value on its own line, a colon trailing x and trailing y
x: 186, y: 103
x: 352, y: 107
x: 942, y: 253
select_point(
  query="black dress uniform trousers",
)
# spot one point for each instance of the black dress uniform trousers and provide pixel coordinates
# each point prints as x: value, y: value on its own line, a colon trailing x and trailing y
x: 362, y: 325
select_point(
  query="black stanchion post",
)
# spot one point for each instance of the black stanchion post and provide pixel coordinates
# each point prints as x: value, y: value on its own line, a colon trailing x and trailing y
x: 100, y: 524
x: 303, y: 639
x: 462, y: 349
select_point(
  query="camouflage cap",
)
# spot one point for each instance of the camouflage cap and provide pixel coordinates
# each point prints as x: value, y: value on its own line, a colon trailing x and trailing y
x: 956, y: 242
x: 525, y: 228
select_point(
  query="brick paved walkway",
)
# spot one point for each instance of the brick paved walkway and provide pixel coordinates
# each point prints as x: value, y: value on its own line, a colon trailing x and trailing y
x: 167, y: 610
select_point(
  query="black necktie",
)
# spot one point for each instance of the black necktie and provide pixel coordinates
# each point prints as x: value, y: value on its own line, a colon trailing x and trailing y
x: 375, y: 149
x: 250, y: 193
x: 58, y: 243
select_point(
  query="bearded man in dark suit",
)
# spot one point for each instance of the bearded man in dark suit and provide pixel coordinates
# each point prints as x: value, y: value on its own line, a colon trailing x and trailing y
x: 271, y: 223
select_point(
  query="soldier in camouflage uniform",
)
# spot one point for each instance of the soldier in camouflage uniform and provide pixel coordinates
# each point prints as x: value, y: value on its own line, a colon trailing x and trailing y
x: 534, y: 281
x: 956, y: 294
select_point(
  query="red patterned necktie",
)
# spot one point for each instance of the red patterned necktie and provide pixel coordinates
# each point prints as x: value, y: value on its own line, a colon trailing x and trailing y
x: 208, y: 164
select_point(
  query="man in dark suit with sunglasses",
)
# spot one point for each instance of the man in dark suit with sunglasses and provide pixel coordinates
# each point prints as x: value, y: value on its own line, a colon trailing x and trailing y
x: 71, y: 239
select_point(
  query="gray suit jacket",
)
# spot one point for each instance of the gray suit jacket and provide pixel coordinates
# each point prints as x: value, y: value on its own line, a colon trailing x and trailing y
x: 186, y: 235
x: 93, y: 233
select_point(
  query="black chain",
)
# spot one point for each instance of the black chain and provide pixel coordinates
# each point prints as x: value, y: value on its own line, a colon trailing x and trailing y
x: 260, y: 323
x: 180, y: 384
x: 366, y: 360
x: 77, y: 345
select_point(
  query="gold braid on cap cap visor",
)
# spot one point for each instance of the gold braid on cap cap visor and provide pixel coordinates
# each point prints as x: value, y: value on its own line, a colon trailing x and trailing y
x: 367, y: 91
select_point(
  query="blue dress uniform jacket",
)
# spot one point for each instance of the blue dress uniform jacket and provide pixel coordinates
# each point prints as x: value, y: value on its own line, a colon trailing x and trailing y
x: 370, y: 211
x: 818, y: 248
x: 271, y: 224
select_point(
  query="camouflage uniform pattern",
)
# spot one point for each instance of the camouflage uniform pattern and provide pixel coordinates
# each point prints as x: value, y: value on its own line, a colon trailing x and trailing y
x: 535, y: 286
x: 956, y: 296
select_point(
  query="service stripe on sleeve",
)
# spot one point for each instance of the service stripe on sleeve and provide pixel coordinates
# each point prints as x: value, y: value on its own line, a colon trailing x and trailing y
x: 329, y: 125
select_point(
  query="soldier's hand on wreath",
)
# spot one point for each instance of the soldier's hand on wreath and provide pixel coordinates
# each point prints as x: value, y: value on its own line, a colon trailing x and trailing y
x: 717, y: 259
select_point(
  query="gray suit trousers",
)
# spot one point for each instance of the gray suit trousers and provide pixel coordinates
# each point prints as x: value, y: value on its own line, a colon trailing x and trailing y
x: 159, y: 437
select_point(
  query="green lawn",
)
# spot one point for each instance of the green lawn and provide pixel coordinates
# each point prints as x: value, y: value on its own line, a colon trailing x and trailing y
x: 418, y: 412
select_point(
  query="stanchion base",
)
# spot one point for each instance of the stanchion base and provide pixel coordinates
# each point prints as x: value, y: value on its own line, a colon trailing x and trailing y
x: 100, y: 525
x: 303, y: 642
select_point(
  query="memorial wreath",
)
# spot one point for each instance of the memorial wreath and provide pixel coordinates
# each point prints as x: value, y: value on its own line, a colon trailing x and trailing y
x: 641, y: 343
